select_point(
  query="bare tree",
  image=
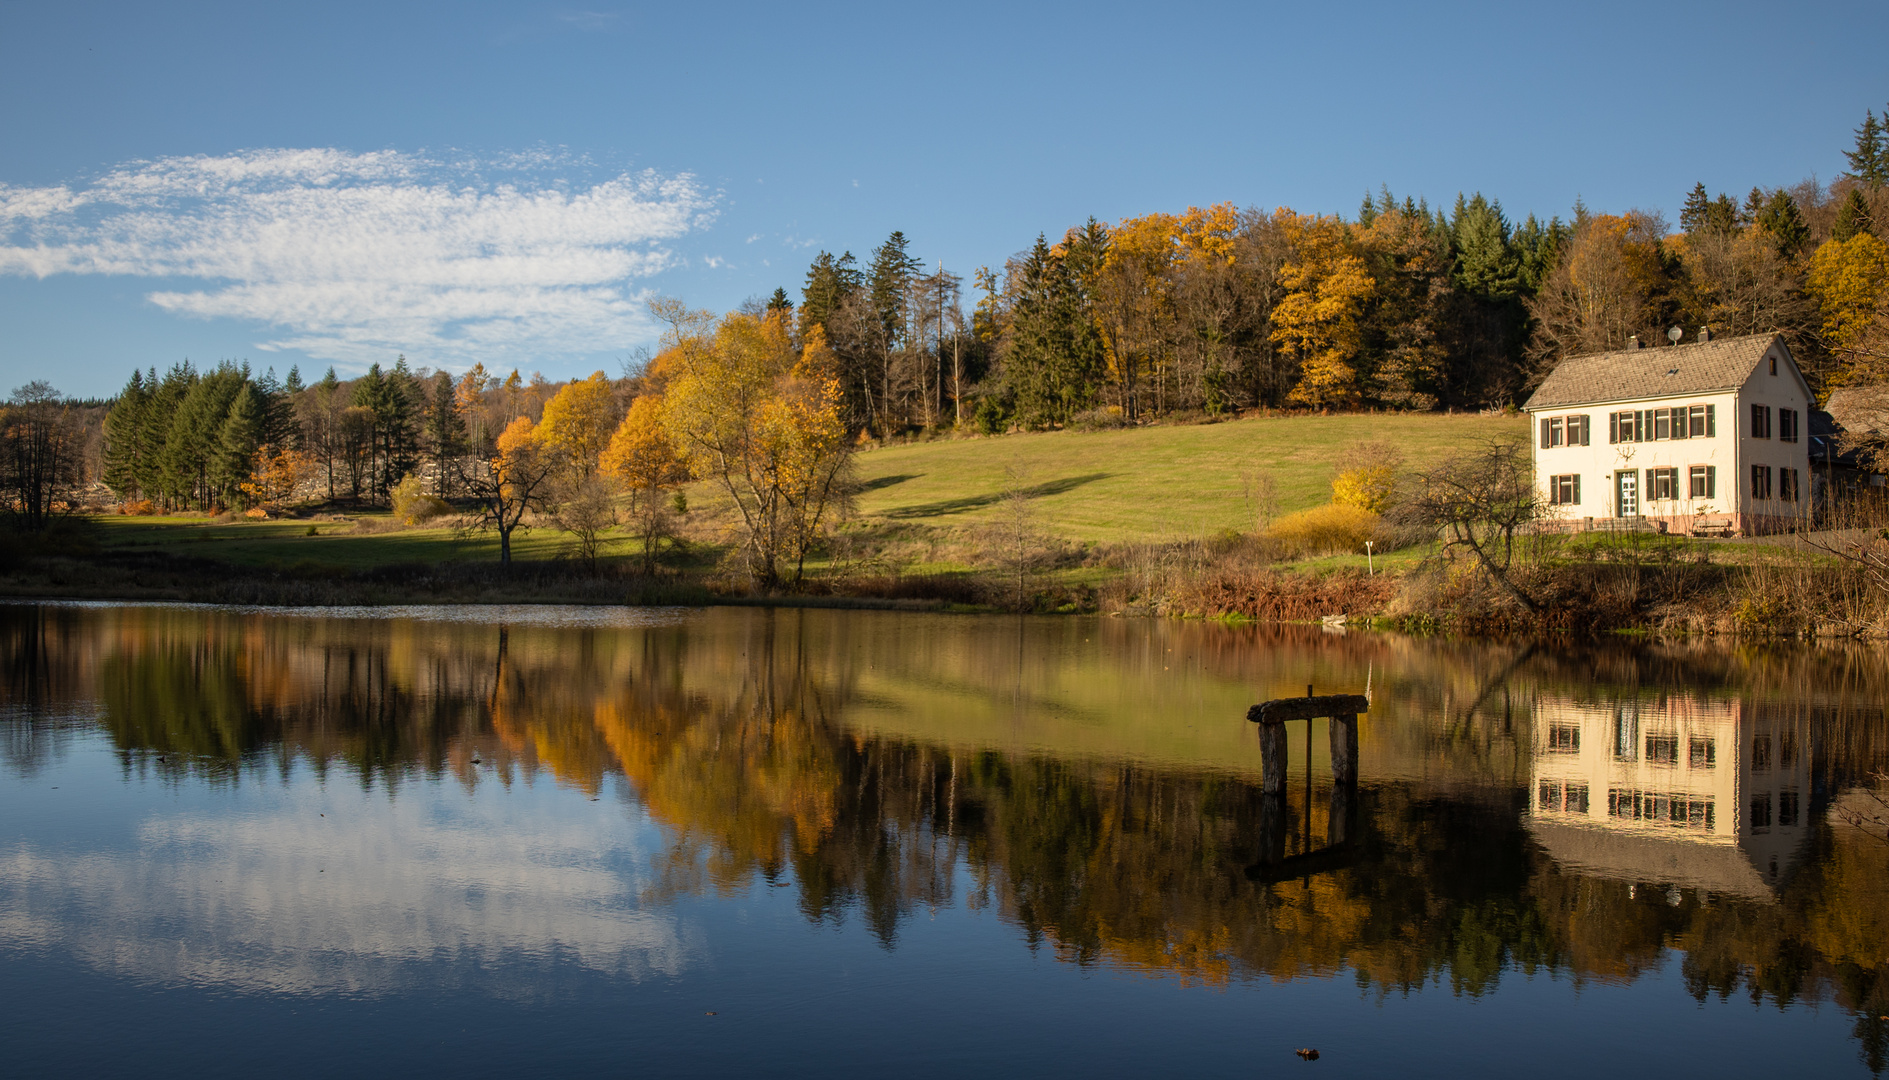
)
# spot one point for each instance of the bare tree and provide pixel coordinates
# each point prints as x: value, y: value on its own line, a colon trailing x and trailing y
x: 40, y: 450
x: 586, y: 508
x: 1481, y: 501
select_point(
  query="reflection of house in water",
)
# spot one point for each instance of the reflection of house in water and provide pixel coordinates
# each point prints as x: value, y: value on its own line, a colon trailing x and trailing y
x: 1705, y: 794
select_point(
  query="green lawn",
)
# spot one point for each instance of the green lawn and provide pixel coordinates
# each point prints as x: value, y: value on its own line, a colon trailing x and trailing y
x: 1158, y: 483
x: 1145, y: 483
x: 335, y: 546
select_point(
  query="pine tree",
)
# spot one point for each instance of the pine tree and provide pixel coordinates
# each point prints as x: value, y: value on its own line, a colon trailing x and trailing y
x: 445, y: 429
x: 1869, y: 162
x: 1852, y: 217
x: 242, y: 433
x: 125, y: 426
x: 1367, y: 211
x: 829, y: 282
x: 1781, y: 218
x: 778, y: 303
x: 1697, y: 211
x: 889, y: 280
x: 1487, y: 264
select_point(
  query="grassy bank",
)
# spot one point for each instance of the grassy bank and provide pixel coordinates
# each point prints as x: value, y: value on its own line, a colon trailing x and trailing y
x: 1157, y: 521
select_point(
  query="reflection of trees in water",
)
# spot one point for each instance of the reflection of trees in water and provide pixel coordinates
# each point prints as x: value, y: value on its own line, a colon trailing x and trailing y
x: 734, y: 735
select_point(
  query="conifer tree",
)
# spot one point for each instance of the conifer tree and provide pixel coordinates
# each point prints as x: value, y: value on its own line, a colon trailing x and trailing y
x: 1781, y: 218
x: 1697, y: 211
x: 1869, y: 162
x: 1852, y: 217
x: 242, y: 434
x: 779, y: 302
x: 124, y: 438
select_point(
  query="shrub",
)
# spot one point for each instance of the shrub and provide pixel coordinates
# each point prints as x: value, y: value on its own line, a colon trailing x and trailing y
x: 413, y: 506
x: 138, y: 508
x: 1366, y: 487
x: 1324, y: 530
x: 1104, y: 419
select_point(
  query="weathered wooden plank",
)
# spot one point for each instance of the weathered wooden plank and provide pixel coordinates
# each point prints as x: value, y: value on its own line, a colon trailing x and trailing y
x: 1344, y: 749
x: 1272, y: 758
x: 1307, y: 708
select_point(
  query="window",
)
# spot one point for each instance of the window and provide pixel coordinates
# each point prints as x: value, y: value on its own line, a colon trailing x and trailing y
x: 1563, y: 431
x: 1761, y: 421
x: 1704, y: 754
x: 1774, y: 365
x: 1701, y: 481
x: 1787, y: 750
x: 1564, y: 490
x: 1761, y: 811
x: 1626, y: 733
x: 1760, y: 753
x: 1787, y: 425
x: 1761, y: 481
x: 1787, y: 808
x: 1564, y: 739
x: 1650, y: 425
x: 1662, y: 750
x: 1575, y: 801
x: 1549, y: 798
x: 1662, y: 483
x: 1787, y: 485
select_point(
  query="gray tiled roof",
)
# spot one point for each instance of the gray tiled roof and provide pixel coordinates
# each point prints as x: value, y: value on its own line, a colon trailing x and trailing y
x: 1653, y: 372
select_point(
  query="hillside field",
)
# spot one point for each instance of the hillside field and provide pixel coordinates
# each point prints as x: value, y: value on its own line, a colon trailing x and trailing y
x: 1154, y: 483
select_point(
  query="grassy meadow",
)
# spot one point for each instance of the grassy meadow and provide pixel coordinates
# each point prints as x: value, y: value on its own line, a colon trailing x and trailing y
x: 1146, y: 484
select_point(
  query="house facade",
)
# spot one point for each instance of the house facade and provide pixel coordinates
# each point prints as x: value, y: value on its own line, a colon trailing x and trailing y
x: 1710, y: 436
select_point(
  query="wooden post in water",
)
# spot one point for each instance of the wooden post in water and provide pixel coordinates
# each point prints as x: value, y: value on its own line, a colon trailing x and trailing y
x: 1272, y: 717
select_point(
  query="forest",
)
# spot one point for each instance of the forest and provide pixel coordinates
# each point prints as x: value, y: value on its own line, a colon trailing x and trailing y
x: 1164, y: 318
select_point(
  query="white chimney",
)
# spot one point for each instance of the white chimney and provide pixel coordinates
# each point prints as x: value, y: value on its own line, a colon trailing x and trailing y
x: 1633, y: 342
x: 1705, y: 333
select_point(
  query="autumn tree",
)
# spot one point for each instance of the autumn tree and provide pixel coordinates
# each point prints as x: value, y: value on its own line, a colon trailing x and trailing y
x: 1317, y: 321
x: 762, y: 421
x: 1611, y: 282
x: 512, y: 482
x: 577, y: 423
x: 643, y: 460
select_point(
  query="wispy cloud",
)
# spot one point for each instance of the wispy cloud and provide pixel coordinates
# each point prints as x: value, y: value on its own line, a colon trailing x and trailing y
x: 589, y: 20
x: 350, y: 257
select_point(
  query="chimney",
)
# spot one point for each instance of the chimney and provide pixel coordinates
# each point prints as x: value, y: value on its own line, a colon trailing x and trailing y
x: 1705, y: 333
x: 1633, y: 342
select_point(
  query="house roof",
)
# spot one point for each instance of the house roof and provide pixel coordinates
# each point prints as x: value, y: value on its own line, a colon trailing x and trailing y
x: 1639, y: 374
x: 1860, y: 410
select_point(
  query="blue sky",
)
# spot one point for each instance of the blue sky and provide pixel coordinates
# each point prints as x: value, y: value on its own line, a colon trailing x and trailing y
x: 338, y: 183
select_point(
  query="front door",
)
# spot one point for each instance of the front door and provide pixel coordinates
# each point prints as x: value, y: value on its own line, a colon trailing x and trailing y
x: 1627, y: 492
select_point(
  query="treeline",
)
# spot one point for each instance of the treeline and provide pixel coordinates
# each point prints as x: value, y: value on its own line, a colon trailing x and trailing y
x: 1404, y: 306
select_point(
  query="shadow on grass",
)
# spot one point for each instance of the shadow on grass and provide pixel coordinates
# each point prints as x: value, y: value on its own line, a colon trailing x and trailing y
x: 887, y: 481
x: 968, y: 503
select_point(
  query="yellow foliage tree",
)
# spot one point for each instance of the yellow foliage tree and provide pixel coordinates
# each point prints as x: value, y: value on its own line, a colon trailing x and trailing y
x: 1848, y: 278
x: 577, y: 423
x: 1317, y: 321
x: 513, y: 483
x: 763, y: 422
x: 643, y: 459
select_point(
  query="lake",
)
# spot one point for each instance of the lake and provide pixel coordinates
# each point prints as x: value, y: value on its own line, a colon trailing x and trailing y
x: 743, y: 841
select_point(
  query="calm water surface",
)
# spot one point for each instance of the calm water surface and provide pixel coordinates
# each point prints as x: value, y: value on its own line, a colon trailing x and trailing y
x: 794, y: 843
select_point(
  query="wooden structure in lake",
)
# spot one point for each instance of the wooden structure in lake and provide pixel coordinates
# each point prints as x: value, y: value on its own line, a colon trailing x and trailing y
x: 1340, y: 830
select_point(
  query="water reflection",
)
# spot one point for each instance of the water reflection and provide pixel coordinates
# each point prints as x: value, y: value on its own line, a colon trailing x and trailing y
x: 1579, y: 810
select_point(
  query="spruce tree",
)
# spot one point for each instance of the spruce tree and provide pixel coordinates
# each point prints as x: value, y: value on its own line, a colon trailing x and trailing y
x: 779, y: 303
x: 1781, y: 218
x: 445, y: 430
x: 1697, y: 211
x: 1869, y: 162
x: 233, y: 462
x: 1852, y: 217
x: 124, y: 438
x: 1487, y: 264
x: 890, y: 279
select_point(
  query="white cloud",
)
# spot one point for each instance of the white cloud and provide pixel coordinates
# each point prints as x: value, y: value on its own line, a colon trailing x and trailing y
x: 352, y: 257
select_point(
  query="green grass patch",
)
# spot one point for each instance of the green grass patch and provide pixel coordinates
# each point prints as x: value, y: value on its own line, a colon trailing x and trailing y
x: 1142, y: 484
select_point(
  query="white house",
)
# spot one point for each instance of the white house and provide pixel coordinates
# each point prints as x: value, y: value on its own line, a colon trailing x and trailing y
x: 1708, y: 436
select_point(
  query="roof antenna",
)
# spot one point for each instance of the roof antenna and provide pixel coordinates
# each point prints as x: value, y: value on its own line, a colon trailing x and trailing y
x: 1675, y: 334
